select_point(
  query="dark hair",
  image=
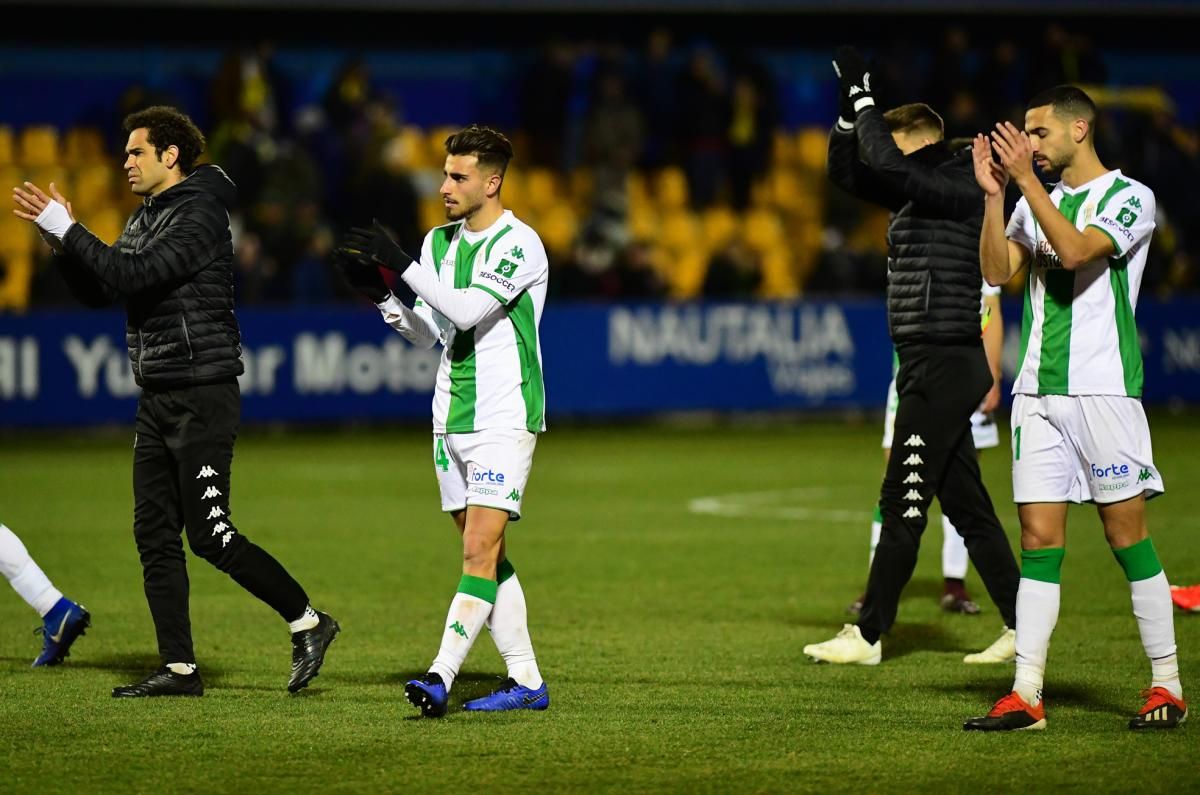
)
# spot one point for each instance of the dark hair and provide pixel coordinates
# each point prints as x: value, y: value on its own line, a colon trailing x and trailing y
x: 166, y: 126
x: 490, y: 146
x: 1068, y: 102
x: 915, y: 116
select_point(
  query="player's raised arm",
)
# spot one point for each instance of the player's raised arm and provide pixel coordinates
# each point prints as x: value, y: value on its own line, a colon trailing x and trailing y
x: 999, y: 257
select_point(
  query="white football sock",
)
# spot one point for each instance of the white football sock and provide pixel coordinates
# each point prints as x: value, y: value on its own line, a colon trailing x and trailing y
x: 510, y: 630
x: 467, y: 615
x: 954, y: 552
x: 306, y: 621
x: 1037, y: 613
x: 25, y: 576
x: 1156, y: 622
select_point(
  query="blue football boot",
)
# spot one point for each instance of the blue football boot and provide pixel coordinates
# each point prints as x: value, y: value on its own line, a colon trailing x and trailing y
x: 65, y: 622
x: 428, y: 694
x: 509, y: 696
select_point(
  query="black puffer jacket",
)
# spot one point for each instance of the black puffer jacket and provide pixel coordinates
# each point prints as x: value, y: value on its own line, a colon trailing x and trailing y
x: 934, y: 279
x: 173, y: 269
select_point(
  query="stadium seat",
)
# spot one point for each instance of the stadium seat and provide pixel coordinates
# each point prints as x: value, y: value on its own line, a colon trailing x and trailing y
x: 541, y: 189
x: 644, y: 225
x: 39, y: 147
x: 84, y: 146
x: 433, y: 212
x: 778, y: 281
x: 685, y: 273
x: 718, y: 226
x: 582, y: 186
x: 783, y: 149
x: 7, y: 155
x: 107, y: 224
x: 435, y: 146
x: 762, y: 230
x: 557, y: 229
x: 680, y: 232
x: 17, y: 237
x: 671, y: 189
x: 15, y: 279
x: 812, y: 146
x: 92, y: 189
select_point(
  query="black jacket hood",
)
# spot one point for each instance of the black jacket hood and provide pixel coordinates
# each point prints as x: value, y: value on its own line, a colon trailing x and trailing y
x: 205, y: 179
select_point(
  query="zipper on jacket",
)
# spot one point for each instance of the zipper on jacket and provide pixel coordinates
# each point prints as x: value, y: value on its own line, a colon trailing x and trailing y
x: 186, y: 337
x: 141, y: 349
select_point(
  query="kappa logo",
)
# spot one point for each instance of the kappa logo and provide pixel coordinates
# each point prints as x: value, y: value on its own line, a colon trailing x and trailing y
x: 219, y: 527
x: 459, y: 629
x: 913, y: 495
x: 914, y: 460
x: 210, y: 492
x: 914, y: 441
x: 514, y: 495
x: 913, y: 477
x: 215, y: 512
x: 517, y: 253
x: 1145, y: 474
x: 225, y: 539
x: 206, y: 472
x: 1135, y: 203
x: 913, y: 512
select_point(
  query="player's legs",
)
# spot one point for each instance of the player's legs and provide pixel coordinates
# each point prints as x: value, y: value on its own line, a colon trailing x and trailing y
x: 955, y: 560
x: 63, y: 621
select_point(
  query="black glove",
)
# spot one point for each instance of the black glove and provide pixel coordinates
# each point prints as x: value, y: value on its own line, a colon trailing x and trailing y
x: 374, y: 246
x: 855, y: 81
x: 362, y: 277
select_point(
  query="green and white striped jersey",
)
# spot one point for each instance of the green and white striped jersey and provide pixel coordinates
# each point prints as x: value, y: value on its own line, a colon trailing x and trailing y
x: 1078, y: 335
x: 490, y: 376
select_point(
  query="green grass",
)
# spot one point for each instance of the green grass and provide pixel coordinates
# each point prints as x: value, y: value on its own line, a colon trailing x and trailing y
x: 671, y: 639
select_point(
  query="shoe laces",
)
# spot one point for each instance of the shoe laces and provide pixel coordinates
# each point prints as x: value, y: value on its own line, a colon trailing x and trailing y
x: 849, y: 631
x: 507, y: 685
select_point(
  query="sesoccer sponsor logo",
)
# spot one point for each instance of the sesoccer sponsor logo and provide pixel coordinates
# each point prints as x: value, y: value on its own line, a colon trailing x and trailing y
x: 1116, y: 226
x: 507, y: 268
x: 500, y: 280
x: 1126, y: 217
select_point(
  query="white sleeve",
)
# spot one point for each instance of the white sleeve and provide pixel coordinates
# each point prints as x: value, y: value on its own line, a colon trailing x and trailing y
x: 1021, y: 226
x: 466, y: 309
x: 1128, y: 218
x: 513, y: 268
x: 416, y: 325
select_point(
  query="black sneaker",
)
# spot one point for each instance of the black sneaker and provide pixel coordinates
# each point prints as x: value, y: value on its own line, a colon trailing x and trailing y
x: 163, y: 682
x: 1011, y: 713
x: 428, y: 694
x: 308, y: 651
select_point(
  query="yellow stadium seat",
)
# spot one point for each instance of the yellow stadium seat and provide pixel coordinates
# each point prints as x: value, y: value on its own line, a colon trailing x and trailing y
x: 785, y: 187
x: 762, y: 230
x: 7, y: 153
x: 671, y: 189
x: 405, y: 151
x: 557, y: 228
x: 680, y: 232
x: 643, y: 225
x: 685, y: 273
x: 92, y: 190
x: 719, y: 225
x: 433, y: 212
x: 39, y: 146
x: 541, y: 189
x: 635, y: 189
x: 83, y: 146
x: 17, y: 237
x: 812, y: 146
x: 435, y: 145
x: 783, y: 150
x: 10, y: 177
x: 15, y: 281
x: 42, y: 177
x: 778, y: 280
x: 582, y: 186
x: 107, y: 225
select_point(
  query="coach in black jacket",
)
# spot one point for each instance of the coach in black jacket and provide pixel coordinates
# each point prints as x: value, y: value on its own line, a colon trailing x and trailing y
x: 933, y: 299
x: 172, y: 267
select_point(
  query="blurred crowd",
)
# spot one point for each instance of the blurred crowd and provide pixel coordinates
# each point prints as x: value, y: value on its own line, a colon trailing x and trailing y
x: 651, y: 171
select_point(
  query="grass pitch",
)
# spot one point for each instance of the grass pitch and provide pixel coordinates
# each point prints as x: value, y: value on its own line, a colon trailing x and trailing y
x: 673, y: 576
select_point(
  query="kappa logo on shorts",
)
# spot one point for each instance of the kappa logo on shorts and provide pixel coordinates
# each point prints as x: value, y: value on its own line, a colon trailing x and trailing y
x: 514, y: 495
x: 914, y: 495
x: 913, y: 477
x: 225, y: 538
x: 219, y: 527
x: 1144, y: 475
x: 210, y: 492
x: 913, y: 460
x: 914, y: 441
x: 215, y: 512
x: 913, y: 512
x: 206, y: 472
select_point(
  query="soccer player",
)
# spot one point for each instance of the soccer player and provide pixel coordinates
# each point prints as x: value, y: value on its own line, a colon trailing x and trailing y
x: 172, y: 268
x: 1079, y: 433
x: 985, y: 434
x: 63, y: 621
x: 481, y: 284
x: 933, y: 317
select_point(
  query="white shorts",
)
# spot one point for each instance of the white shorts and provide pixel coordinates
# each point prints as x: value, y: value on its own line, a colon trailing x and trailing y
x: 485, y: 468
x: 983, y: 426
x: 1081, y: 448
